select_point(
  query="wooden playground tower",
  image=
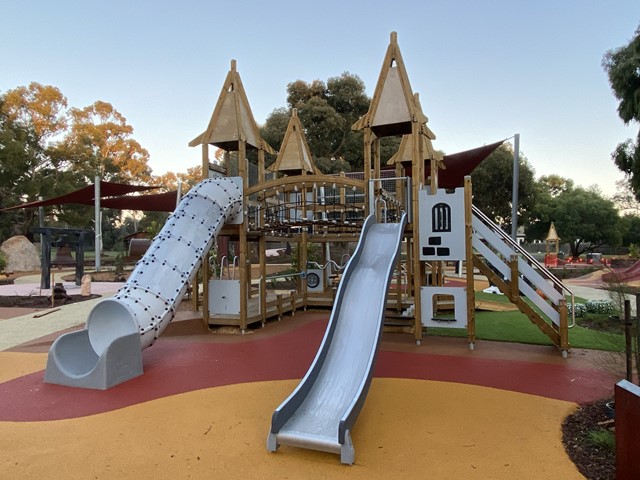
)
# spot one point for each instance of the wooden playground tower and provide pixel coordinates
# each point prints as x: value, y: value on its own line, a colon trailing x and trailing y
x: 293, y: 201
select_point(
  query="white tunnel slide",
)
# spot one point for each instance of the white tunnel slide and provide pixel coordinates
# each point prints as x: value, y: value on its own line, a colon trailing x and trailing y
x: 320, y: 413
x: 108, y: 351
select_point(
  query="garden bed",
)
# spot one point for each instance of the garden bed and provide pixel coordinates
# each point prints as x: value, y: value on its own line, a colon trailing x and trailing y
x: 588, y: 438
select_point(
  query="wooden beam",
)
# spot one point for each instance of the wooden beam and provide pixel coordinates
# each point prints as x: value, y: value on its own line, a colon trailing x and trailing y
x: 286, y: 184
x: 418, y: 178
x: 468, y: 232
x: 205, y: 262
x: 242, y: 267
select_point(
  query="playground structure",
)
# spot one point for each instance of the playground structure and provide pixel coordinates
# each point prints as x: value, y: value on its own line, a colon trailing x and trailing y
x: 292, y: 201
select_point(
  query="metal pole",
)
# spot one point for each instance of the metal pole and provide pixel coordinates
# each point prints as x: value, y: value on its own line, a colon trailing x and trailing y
x: 41, y: 225
x: 516, y: 178
x: 98, y: 225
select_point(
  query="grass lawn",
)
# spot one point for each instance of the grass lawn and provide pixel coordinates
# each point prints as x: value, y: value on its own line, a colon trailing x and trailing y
x: 516, y: 327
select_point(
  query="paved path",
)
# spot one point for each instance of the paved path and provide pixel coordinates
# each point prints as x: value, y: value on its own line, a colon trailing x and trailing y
x: 18, y: 330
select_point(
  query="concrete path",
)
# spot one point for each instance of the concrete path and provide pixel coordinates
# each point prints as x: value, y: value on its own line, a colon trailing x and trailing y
x: 18, y: 330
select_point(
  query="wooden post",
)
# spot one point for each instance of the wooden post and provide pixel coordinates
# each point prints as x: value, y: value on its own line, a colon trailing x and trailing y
x: 514, y: 287
x: 627, y: 339
x: 303, y: 264
x: 376, y: 174
x: 418, y: 179
x: 367, y: 169
x: 205, y: 258
x: 244, y: 287
x: 468, y: 233
x: 262, y: 248
x: 564, y: 326
x: 262, y: 241
x: 627, y: 398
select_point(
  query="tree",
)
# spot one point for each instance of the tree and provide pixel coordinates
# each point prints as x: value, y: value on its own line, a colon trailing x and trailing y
x: 169, y: 180
x: 630, y: 226
x: 42, y: 107
x: 554, y: 185
x: 47, y: 150
x: 583, y: 218
x: 625, y: 199
x: 493, y: 187
x: 327, y: 112
x: 101, y: 143
x: 623, y: 69
x: 19, y: 151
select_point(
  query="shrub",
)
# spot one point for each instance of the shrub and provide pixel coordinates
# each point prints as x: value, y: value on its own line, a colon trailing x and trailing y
x: 3, y: 262
x: 580, y: 309
x: 600, y: 306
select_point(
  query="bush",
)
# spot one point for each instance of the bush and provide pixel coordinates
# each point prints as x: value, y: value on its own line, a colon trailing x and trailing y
x: 600, y: 306
x: 580, y: 310
x: 3, y: 262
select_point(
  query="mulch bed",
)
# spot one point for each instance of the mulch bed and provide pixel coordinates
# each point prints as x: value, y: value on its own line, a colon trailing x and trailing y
x: 36, y: 301
x: 593, y: 461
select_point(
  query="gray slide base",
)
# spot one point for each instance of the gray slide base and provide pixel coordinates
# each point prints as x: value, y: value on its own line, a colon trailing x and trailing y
x: 73, y: 362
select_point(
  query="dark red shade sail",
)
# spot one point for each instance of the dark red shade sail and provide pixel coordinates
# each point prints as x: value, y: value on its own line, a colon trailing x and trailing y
x: 86, y: 196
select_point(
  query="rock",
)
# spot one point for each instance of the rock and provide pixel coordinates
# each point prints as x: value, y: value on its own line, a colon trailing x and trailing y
x: 22, y: 255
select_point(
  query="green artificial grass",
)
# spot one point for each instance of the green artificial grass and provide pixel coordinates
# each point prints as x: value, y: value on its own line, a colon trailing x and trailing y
x: 514, y: 326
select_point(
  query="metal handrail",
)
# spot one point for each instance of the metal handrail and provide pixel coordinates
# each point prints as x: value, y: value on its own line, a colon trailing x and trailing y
x: 527, y: 256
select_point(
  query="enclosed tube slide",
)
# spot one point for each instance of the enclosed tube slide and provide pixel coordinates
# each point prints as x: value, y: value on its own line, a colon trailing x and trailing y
x: 109, y: 349
x: 320, y: 413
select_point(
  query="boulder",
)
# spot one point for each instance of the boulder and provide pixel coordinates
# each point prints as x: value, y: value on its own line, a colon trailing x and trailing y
x: 22, y: 255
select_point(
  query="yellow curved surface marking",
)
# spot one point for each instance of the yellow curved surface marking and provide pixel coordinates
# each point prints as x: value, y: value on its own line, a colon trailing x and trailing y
x: 17, y: 364
x: 407, y: 429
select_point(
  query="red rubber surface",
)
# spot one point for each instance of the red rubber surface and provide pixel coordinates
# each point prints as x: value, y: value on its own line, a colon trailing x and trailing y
x: 176, y: 366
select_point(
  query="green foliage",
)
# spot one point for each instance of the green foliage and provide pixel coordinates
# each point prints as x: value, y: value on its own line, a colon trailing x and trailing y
x: 493, y: 186
x: 48, y: 149
x: 153, y: 227
x: 3, y: 262
x: 327, y: 112
x: 583, y: 218
x: 602, y: 438
x: 630, y: 226
x: 623, y: 69
x: 600, y: 306
x: 634, y: 251
x: 580, y: 310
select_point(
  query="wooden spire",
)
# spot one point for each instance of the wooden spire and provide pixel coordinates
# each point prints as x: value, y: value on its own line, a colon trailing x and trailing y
x: 405, y: 151
x: 552, y: 236
x: 232, y: 120
x: 294, y: 156
x: 392, y: 108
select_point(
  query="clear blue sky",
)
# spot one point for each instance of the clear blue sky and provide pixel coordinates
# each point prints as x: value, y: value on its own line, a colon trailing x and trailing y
x: 484, y: 70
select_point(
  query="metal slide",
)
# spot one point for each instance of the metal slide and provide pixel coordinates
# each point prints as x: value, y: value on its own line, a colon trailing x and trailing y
x: 320, y: 413
x: 109, y: 349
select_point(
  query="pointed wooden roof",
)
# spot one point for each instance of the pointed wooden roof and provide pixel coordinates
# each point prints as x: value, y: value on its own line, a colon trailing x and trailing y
x: 405, y: 151
x: 232, y: 120
x: 552, y: 236
x: 294, y: 155
x: 392, y: 108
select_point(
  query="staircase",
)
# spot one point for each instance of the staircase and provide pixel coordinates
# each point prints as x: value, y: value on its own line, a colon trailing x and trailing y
x: 529, y: 285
